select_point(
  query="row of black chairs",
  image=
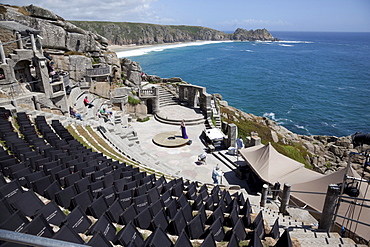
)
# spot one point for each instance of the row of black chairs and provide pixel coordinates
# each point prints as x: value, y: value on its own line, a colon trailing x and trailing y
x: 88, y: 183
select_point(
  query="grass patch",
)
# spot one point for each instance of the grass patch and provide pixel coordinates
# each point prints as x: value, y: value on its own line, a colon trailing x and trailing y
x: 98, y: 144
x: 133, y: 101
x: 95, y: 60
x: 290, y: 151
x: 118, y: 228
x: 78, y: 137
x: 66, y: 212
x: 294, y: 151
x: 143, y: 119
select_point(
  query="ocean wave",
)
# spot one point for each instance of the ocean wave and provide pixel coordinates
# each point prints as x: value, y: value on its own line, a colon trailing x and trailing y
x: 286, y: 45
x: 294, y: 42
x: 247, y: 50
x: 270, y: 115
x: 264, y: 42
x: 145, y: 50
x: 300, y: 126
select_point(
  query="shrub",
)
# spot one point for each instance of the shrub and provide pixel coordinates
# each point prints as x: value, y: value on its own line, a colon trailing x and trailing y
x: 133, y: 101
x: 142, y: 119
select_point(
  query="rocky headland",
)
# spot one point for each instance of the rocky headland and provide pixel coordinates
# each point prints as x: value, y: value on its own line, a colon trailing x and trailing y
x: 76, y: 46
x: 125, y: 33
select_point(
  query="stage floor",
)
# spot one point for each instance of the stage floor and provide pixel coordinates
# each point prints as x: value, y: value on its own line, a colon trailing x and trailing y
x: 170, y: 139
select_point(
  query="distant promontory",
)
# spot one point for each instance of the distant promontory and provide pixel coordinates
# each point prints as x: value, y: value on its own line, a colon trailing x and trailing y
x: 127, y: 33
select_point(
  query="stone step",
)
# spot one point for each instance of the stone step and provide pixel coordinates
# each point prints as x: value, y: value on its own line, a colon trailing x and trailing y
x: 314, y: 234
x: 325, y: 242
x: 178, y: 122
x: 163, y: 100
x: 170, y: 102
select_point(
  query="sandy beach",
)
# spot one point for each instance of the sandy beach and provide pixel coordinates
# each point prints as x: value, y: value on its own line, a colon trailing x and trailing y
x: 136, y: 50
x: 118, y: 48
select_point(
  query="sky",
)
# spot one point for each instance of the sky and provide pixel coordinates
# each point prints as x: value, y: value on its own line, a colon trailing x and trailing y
x: 223, y: 15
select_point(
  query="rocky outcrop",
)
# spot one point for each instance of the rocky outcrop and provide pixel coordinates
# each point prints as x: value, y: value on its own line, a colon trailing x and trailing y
x: 131, y: 71
x: 55, y: 31
x: 253, y: 35
x: 72, y: 48
x: 123, y: 33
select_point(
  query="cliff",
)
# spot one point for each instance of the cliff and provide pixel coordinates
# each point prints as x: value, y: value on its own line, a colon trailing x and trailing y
x: 56, y: 33
x: 72, y: 48
x: 124, y: 33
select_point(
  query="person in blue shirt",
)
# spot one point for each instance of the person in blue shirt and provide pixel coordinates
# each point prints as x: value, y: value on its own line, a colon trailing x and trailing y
x: 239, y: 142
x: 75, y: 114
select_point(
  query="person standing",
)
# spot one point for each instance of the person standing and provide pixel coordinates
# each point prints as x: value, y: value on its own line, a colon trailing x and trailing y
x: 216, y: 174
x: 183, y: 130
x: 239, y: 142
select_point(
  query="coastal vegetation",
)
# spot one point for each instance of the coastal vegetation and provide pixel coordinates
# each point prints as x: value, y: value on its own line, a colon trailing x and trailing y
x: 245, y: 126
x: 133, y: 101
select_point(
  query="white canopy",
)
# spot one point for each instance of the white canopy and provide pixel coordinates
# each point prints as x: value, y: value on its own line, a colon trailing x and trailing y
x: 272, y: 167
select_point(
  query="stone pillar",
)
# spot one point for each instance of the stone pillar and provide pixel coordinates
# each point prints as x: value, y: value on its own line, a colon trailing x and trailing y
x: 205, y: 104
x: 155, y: 101
x: 285, y: 199
x: 19, y: 41
x: 191, y: 97
x: 329, y: 207
x: 275, y: 193
x: 43, y: 75
x: 232, y: 132
x: 181, y: 93
x: 36, y: 102
x: 33, y: 43
x: 255, y: 140
x: 264, y: 195
x: 2, y: 53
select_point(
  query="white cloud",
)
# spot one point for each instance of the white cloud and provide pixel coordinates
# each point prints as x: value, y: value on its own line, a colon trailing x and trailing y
x: 103, y: 10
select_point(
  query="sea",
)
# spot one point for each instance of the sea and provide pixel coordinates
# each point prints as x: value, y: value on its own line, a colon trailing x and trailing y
x: 312, y: 83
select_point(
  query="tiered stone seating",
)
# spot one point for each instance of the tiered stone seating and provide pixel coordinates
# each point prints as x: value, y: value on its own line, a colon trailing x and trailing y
x: 102, y: 194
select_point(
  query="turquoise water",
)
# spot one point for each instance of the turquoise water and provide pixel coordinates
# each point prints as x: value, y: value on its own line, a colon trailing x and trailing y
x: 311, y: 83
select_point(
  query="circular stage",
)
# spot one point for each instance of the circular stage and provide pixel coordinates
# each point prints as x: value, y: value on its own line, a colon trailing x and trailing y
x: 170, y: 139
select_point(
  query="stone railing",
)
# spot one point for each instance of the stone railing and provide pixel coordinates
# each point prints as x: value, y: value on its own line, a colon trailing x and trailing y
x: 147, y: 92
x: 98, y: 71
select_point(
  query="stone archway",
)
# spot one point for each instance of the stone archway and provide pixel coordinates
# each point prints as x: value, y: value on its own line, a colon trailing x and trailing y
x: 2, y: 74
x: 22, y: 71
x: 25, y: 72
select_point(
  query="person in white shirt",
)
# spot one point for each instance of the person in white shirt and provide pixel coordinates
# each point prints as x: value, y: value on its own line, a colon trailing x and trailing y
x: 216, y: 174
